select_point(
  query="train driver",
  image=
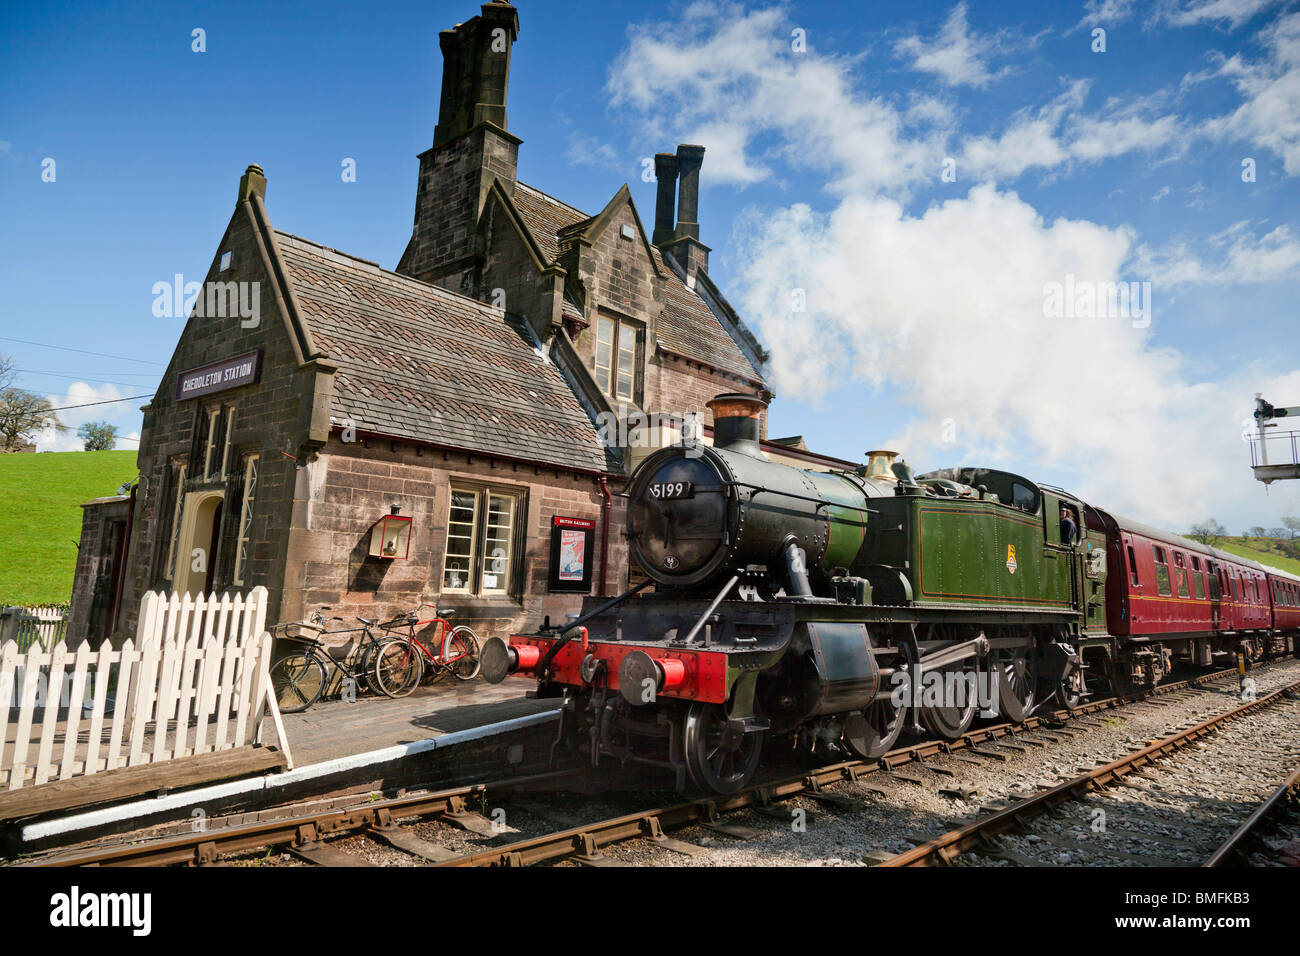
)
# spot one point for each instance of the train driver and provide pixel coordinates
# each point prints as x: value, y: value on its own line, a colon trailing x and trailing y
x: 1069, y: 529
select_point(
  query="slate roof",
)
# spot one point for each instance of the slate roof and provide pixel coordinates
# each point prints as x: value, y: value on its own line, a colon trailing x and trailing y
x: 418, y: 362
x: 545, y: 216
x: 687, y: 325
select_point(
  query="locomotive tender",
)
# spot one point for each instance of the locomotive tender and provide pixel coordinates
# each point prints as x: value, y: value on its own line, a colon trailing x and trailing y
x: 834, y: 610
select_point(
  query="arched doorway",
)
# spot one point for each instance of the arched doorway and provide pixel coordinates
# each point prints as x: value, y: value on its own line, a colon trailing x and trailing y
x: 200, y: 535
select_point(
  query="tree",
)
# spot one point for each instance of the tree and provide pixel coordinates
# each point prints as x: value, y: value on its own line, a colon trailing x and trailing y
x: 98, y: 436
x: 1208, y: 531
x: 1257, y: 532
x: 6, y: 371
x: 1292, y: 525
x: 22, y: 415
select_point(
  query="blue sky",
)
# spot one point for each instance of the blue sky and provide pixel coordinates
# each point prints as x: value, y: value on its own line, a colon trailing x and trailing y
x: 828, y: 128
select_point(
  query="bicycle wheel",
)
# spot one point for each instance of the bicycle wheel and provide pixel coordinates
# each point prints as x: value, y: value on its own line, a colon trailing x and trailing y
x: 460, y: 653
x: 398, y: 666
x: 298, y: 679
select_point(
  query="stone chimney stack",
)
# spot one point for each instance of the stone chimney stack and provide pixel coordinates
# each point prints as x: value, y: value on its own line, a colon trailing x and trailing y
x: 684, y: 242
x: 471, y: 150
x: 689, y: 160
x: 476, y: 71
x: 666, y: 198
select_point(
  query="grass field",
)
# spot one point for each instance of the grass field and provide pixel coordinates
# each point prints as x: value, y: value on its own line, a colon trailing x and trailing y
x: 1263, y: 550
x: 40, y: 517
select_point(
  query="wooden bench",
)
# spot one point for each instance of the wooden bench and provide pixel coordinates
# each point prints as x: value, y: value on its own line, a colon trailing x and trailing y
x: 150, y: 779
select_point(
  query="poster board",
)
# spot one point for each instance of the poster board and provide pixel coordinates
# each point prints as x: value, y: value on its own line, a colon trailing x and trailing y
x: 573, y: 554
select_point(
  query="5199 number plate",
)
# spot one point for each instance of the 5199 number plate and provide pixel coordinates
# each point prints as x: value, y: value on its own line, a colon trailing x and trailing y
x: 668, y: 490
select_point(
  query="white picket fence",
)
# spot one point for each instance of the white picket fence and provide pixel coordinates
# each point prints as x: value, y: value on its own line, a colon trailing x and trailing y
x: 41, y: 624
x: 194, y: 680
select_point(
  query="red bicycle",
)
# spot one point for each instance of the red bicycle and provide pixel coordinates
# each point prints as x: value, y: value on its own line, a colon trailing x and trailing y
x: 400, y: 661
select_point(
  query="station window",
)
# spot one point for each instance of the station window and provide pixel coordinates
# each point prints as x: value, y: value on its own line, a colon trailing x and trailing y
x: 617, y: 353
x: 1162, y: 570
x: 1132, y: 567
x: 217, y: 427
x: 480, y: 552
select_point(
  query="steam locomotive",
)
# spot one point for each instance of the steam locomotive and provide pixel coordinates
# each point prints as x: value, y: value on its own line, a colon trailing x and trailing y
x: 835, y: 610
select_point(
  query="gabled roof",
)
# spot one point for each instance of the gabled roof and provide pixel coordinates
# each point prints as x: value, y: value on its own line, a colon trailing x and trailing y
x: 687, y: 326
x: 418, y: 362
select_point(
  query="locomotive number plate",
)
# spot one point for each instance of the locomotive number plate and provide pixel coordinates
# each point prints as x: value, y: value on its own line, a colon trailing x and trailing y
x: 668, y: 490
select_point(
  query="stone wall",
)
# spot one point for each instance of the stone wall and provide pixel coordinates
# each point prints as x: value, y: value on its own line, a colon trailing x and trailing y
x: 353, y: 484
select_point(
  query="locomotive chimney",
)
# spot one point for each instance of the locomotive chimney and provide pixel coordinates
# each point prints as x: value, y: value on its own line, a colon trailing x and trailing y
x: 736, y: 417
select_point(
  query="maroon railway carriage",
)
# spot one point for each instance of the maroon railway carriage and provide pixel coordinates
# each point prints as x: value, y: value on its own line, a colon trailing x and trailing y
x: 1284, y: 591
x: 1189, y: 600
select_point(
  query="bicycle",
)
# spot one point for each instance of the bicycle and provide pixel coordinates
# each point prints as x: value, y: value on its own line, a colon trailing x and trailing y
x: 399, y: 662
x: 301, y: 677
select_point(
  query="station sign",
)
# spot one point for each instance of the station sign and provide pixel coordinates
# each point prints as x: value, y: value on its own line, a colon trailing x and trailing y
x: 219, y: 376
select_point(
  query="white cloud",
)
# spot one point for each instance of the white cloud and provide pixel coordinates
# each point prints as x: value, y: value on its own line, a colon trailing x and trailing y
x: 125, y: 415
x: 1178, y: 13
x: 1060, y: 133
x: 1194, y: 12
x: 1235, y: 256
x: 728, y: 78
x: 945, y: 312
x: 957, y: 54
x: 1270, y: 89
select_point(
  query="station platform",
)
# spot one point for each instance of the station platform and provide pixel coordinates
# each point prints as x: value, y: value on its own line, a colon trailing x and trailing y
x: 334, y: 729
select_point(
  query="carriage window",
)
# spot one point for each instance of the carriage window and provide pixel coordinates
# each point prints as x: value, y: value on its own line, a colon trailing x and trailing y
x: 1180, y: 574
x: 1132, y: 566
x: 1162, y: 570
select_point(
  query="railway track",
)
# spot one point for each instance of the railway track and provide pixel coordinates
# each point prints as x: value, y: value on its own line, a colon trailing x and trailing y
x: 1174, y: 785
x: 415, y: 828
x: 1270, y: 836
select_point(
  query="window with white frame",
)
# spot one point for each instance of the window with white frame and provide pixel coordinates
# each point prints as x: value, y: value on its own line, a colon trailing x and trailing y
x: 616, y: 356
x: 225, y: 445
x: 245, y: 519
x: 211, y: 450
x: 480, y: 550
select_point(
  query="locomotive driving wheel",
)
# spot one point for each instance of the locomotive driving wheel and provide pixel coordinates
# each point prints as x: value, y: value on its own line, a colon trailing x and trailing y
x: 1070, y: 690
x: 1016, y: 672
x: 718, y: 758
x: 872, y: 731
x: 951, y: 722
